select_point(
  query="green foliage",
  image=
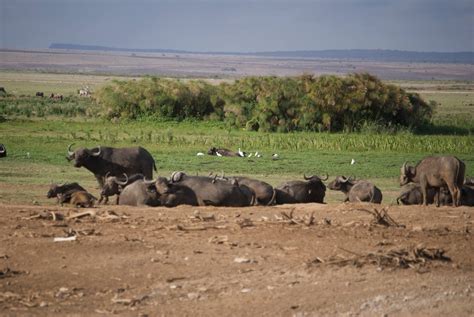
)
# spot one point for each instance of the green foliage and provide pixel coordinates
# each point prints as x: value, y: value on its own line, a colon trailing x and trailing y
x: 271, y: 104
x: 41, y: 107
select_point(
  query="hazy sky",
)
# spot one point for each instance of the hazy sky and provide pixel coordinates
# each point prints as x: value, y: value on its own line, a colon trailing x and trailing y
x: 243, y: 26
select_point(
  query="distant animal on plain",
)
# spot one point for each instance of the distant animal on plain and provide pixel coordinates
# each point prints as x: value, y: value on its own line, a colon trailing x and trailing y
x: 56, y: 96
x: 39, y: 94
x: 63, y: 193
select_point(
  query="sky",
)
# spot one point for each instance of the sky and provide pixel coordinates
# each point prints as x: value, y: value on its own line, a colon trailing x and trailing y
x: 241, y: 25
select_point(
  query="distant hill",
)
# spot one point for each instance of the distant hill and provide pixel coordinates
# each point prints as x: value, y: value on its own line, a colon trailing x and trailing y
x: 359, y: 54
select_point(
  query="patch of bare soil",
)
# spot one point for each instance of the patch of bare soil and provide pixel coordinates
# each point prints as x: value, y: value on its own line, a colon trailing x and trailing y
x: 291, y: 260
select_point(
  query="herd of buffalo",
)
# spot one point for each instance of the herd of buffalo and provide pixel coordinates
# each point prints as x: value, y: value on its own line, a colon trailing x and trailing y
x: 128, y: 174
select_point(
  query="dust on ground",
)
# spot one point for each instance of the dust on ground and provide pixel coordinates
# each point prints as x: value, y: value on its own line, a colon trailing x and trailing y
x: 290, y: 260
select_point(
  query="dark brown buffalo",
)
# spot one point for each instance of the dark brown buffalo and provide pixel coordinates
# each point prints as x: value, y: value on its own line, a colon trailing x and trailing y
x: 436, y: 172
x: 63, y: 192
x: 356, y: 190
x: 3, y: 151
x: 173, y: 194
x: 139, y: 194
x: 312, y: 190
x: 114, y: 161
x: 216, y: 192
x: 222, y: 152
x: 265, y: 194
x: 113, y: 185
x: 467, y: 195
x: 39, y: 94
x: 411, y: 195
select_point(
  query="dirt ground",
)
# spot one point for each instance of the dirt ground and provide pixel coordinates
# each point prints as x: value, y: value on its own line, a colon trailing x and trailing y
x: 290, y: 260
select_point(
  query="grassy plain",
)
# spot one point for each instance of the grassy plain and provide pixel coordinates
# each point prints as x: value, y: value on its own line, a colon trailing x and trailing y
x: 37, y: 145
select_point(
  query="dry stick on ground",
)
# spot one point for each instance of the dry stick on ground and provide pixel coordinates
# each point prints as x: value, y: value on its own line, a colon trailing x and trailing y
x: 401, y: 258
x: 383, y: 218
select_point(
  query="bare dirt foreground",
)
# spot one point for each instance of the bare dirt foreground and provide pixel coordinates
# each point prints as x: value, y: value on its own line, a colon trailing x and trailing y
x: 208, y: 261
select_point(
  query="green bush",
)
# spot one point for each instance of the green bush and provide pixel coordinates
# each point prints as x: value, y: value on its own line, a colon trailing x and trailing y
x: 358, y: 102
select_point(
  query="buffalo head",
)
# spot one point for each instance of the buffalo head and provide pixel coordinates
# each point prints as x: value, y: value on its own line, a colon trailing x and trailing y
x: 406, y: 174
x: 82, y: 156
x: 339, y: 183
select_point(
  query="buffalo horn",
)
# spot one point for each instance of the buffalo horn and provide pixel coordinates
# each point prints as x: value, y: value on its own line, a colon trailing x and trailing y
x: 307, y: 178
x: 404, y: 168
x: 69, y: 152
x: 123, y: 183
x: 148, y: 182
x: 107, y: 175
x: 344, y: 179
x: 98, y: 153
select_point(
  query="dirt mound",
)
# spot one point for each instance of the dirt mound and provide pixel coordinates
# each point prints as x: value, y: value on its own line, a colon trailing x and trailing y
x: 290, y: 260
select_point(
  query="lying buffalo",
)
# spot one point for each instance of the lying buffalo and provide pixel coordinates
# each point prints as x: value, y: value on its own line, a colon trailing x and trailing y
x: 113, y: 185
x: 82, y: 199
x: 265, y: 194
x: 216, y: 192
x: 312, y: 190
x: 222, y: 152
x: 63, y: 192
x: 174, y: 194
x: 411, y: 195
x: 436, y: 172
x: 115, y: 161
x: 356, y: 190
x: 139, y: 193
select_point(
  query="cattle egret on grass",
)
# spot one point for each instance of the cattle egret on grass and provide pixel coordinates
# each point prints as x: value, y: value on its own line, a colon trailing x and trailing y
x: 274, y: 156
x: 241, y: 154
x: 353, y: 162
x: 199, y: 154
x: 250, y: 155
x: 218, y: 154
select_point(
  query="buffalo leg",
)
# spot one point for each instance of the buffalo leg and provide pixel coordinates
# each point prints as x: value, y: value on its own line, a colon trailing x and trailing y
x: 455, y: 194
x: 424, y: 191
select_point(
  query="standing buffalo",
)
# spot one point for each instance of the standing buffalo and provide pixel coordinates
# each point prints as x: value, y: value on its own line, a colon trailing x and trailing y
x: 113, y: 185
x: 216, y: 192
x: 139, y: 193
x: 356, y: 191
x: 3, y: 150
x: 39, y: 94
x: 436, y: 172
x: 312, y: 190
x: 115, y: 161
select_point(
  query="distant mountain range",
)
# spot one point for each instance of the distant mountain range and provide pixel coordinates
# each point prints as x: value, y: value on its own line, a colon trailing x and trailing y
x: 359, y: 54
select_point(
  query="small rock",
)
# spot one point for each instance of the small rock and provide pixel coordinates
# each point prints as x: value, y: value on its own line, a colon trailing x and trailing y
x: 193, y: 296
x: 242, y: 260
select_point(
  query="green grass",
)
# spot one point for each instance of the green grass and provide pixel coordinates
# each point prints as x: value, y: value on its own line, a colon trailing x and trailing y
x: 25, y: 178
x: 174, y: 147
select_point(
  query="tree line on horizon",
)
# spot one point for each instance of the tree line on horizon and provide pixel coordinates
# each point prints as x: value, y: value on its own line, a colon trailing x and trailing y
x: 270, y: 104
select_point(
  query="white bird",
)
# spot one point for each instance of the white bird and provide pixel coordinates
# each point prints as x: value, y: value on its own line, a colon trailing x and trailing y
x: 28, y: 154
x: 199, y: 154
x: 241, y: 154
x: 259, y: 155
x: 218, y: 154
x: 353, y: 162
x: 250, y: 155
x: 274, y: 156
